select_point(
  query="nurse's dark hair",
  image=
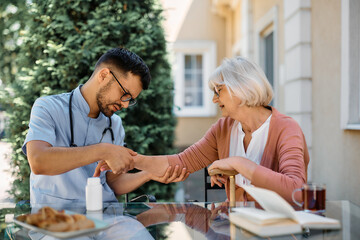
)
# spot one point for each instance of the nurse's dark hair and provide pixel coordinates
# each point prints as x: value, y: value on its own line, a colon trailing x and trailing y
x: 127, y: 61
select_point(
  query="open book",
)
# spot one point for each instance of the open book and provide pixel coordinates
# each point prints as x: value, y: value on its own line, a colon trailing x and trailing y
x: 278, y: 216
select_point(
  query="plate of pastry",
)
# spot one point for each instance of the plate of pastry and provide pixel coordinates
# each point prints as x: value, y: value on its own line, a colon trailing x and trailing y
x: 61, y: 224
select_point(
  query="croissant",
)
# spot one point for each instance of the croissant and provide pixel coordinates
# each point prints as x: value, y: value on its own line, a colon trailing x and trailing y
x: 57, y: 221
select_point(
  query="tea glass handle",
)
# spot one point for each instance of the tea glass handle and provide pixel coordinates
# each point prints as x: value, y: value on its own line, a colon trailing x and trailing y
x: 293, y: 197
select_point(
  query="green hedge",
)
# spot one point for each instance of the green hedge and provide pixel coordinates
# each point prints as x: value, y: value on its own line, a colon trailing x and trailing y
x: 56, y: 47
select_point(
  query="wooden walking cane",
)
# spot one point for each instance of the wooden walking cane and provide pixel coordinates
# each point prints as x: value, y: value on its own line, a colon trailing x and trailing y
x: 231, y: 175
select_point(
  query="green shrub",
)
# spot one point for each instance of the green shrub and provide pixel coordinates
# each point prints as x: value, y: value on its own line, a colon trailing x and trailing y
x: 60, y: 43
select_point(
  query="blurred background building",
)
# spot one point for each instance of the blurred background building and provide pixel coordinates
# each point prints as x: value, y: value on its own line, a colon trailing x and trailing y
x: 310, y: 52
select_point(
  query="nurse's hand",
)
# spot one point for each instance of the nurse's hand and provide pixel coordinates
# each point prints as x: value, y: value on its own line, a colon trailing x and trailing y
x: 102, y: 166
x: 118, y: 159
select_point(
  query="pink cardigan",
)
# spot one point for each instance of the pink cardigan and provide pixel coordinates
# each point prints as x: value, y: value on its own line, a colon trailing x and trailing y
x: 283, y: 166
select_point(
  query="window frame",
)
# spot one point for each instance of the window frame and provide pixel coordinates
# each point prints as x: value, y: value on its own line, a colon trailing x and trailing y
x: 266, y: 25
x: 194, y: 78
x: 208, y: 51
x: 263, y: 51
x: 346, y: 81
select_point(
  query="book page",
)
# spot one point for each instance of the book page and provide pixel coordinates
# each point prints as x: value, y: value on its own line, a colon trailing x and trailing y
x: 283, y: 227
x: 271, y: 201
x: 259, y: 216
x: 316, y: 222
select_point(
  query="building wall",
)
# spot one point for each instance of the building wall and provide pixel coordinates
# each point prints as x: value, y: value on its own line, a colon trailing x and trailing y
x: 336, y: 152
x: 261, y: 7
x: 237, y: 23
x: 200, y: 23
x: 334, y: 155
x: 190, y: 130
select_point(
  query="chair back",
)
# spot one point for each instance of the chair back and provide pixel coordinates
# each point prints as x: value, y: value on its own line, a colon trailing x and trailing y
x: 208, y: 184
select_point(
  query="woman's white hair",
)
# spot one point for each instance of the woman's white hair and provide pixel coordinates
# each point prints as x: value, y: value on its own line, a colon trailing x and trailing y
x: 245, y: 79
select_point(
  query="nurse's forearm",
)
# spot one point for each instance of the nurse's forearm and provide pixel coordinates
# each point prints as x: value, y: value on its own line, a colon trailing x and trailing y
x: 155, y: 165
x: 47, y: 160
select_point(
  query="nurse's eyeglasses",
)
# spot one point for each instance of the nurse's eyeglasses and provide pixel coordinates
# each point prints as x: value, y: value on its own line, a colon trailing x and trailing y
x: 126, y: 97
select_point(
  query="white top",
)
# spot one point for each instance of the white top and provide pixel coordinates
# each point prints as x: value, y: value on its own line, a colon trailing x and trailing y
x: 255, y: 149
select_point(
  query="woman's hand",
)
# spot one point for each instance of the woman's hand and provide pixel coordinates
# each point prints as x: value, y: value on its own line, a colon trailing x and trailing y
x: 223, y: 164
x: 176, y: 175
x: 218, y: 180
x: 241, y: 165
x: 170, y: 175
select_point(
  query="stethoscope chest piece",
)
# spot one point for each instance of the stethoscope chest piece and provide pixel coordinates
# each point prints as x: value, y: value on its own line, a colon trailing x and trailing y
x: 72, y: 144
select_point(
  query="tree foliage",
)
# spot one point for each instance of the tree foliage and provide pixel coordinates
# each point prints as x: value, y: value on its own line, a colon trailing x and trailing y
x: 59, y: 43
x: 13, y: 18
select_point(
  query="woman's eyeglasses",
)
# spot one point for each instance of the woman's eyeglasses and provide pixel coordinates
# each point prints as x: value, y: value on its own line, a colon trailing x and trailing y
x: 217, y: 91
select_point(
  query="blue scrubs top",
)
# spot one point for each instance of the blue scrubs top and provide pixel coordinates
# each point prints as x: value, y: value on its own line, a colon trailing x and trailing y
x: 49, y: 122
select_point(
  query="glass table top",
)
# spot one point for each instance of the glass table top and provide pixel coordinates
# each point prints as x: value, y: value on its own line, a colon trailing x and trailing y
x: 195, y: 220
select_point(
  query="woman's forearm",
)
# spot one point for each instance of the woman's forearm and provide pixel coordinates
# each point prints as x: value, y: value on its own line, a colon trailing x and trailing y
x: 243, y: 166
x: 155, y: 165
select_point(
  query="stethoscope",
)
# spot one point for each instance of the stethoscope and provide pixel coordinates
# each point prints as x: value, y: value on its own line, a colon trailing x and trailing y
x: 72, y: 144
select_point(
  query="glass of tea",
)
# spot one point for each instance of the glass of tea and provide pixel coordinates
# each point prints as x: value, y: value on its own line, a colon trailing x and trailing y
x: 313, y: 195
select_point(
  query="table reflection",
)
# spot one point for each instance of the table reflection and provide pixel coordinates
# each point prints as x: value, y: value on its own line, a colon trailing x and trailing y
x: 178, y: 221
x: 122, y: 227
x: 137, y: 221
x: 209, y: 222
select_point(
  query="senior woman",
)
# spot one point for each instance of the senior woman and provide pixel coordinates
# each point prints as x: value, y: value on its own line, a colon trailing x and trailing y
x: 265, y: 147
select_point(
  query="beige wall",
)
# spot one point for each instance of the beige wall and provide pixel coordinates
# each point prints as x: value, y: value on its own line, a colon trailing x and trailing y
x: 237, y: 25
x: 200, y: 23
x: 190, y: 130
x: 261, y: 7
x: 336, y: 153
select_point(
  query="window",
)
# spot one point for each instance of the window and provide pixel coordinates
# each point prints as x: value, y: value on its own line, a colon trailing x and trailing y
x: 193, y: 76
x: 350, y: 65
x: 268, y: 42
x: 194, y: 62
x: 267, y: 57
x: 266, y: 48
